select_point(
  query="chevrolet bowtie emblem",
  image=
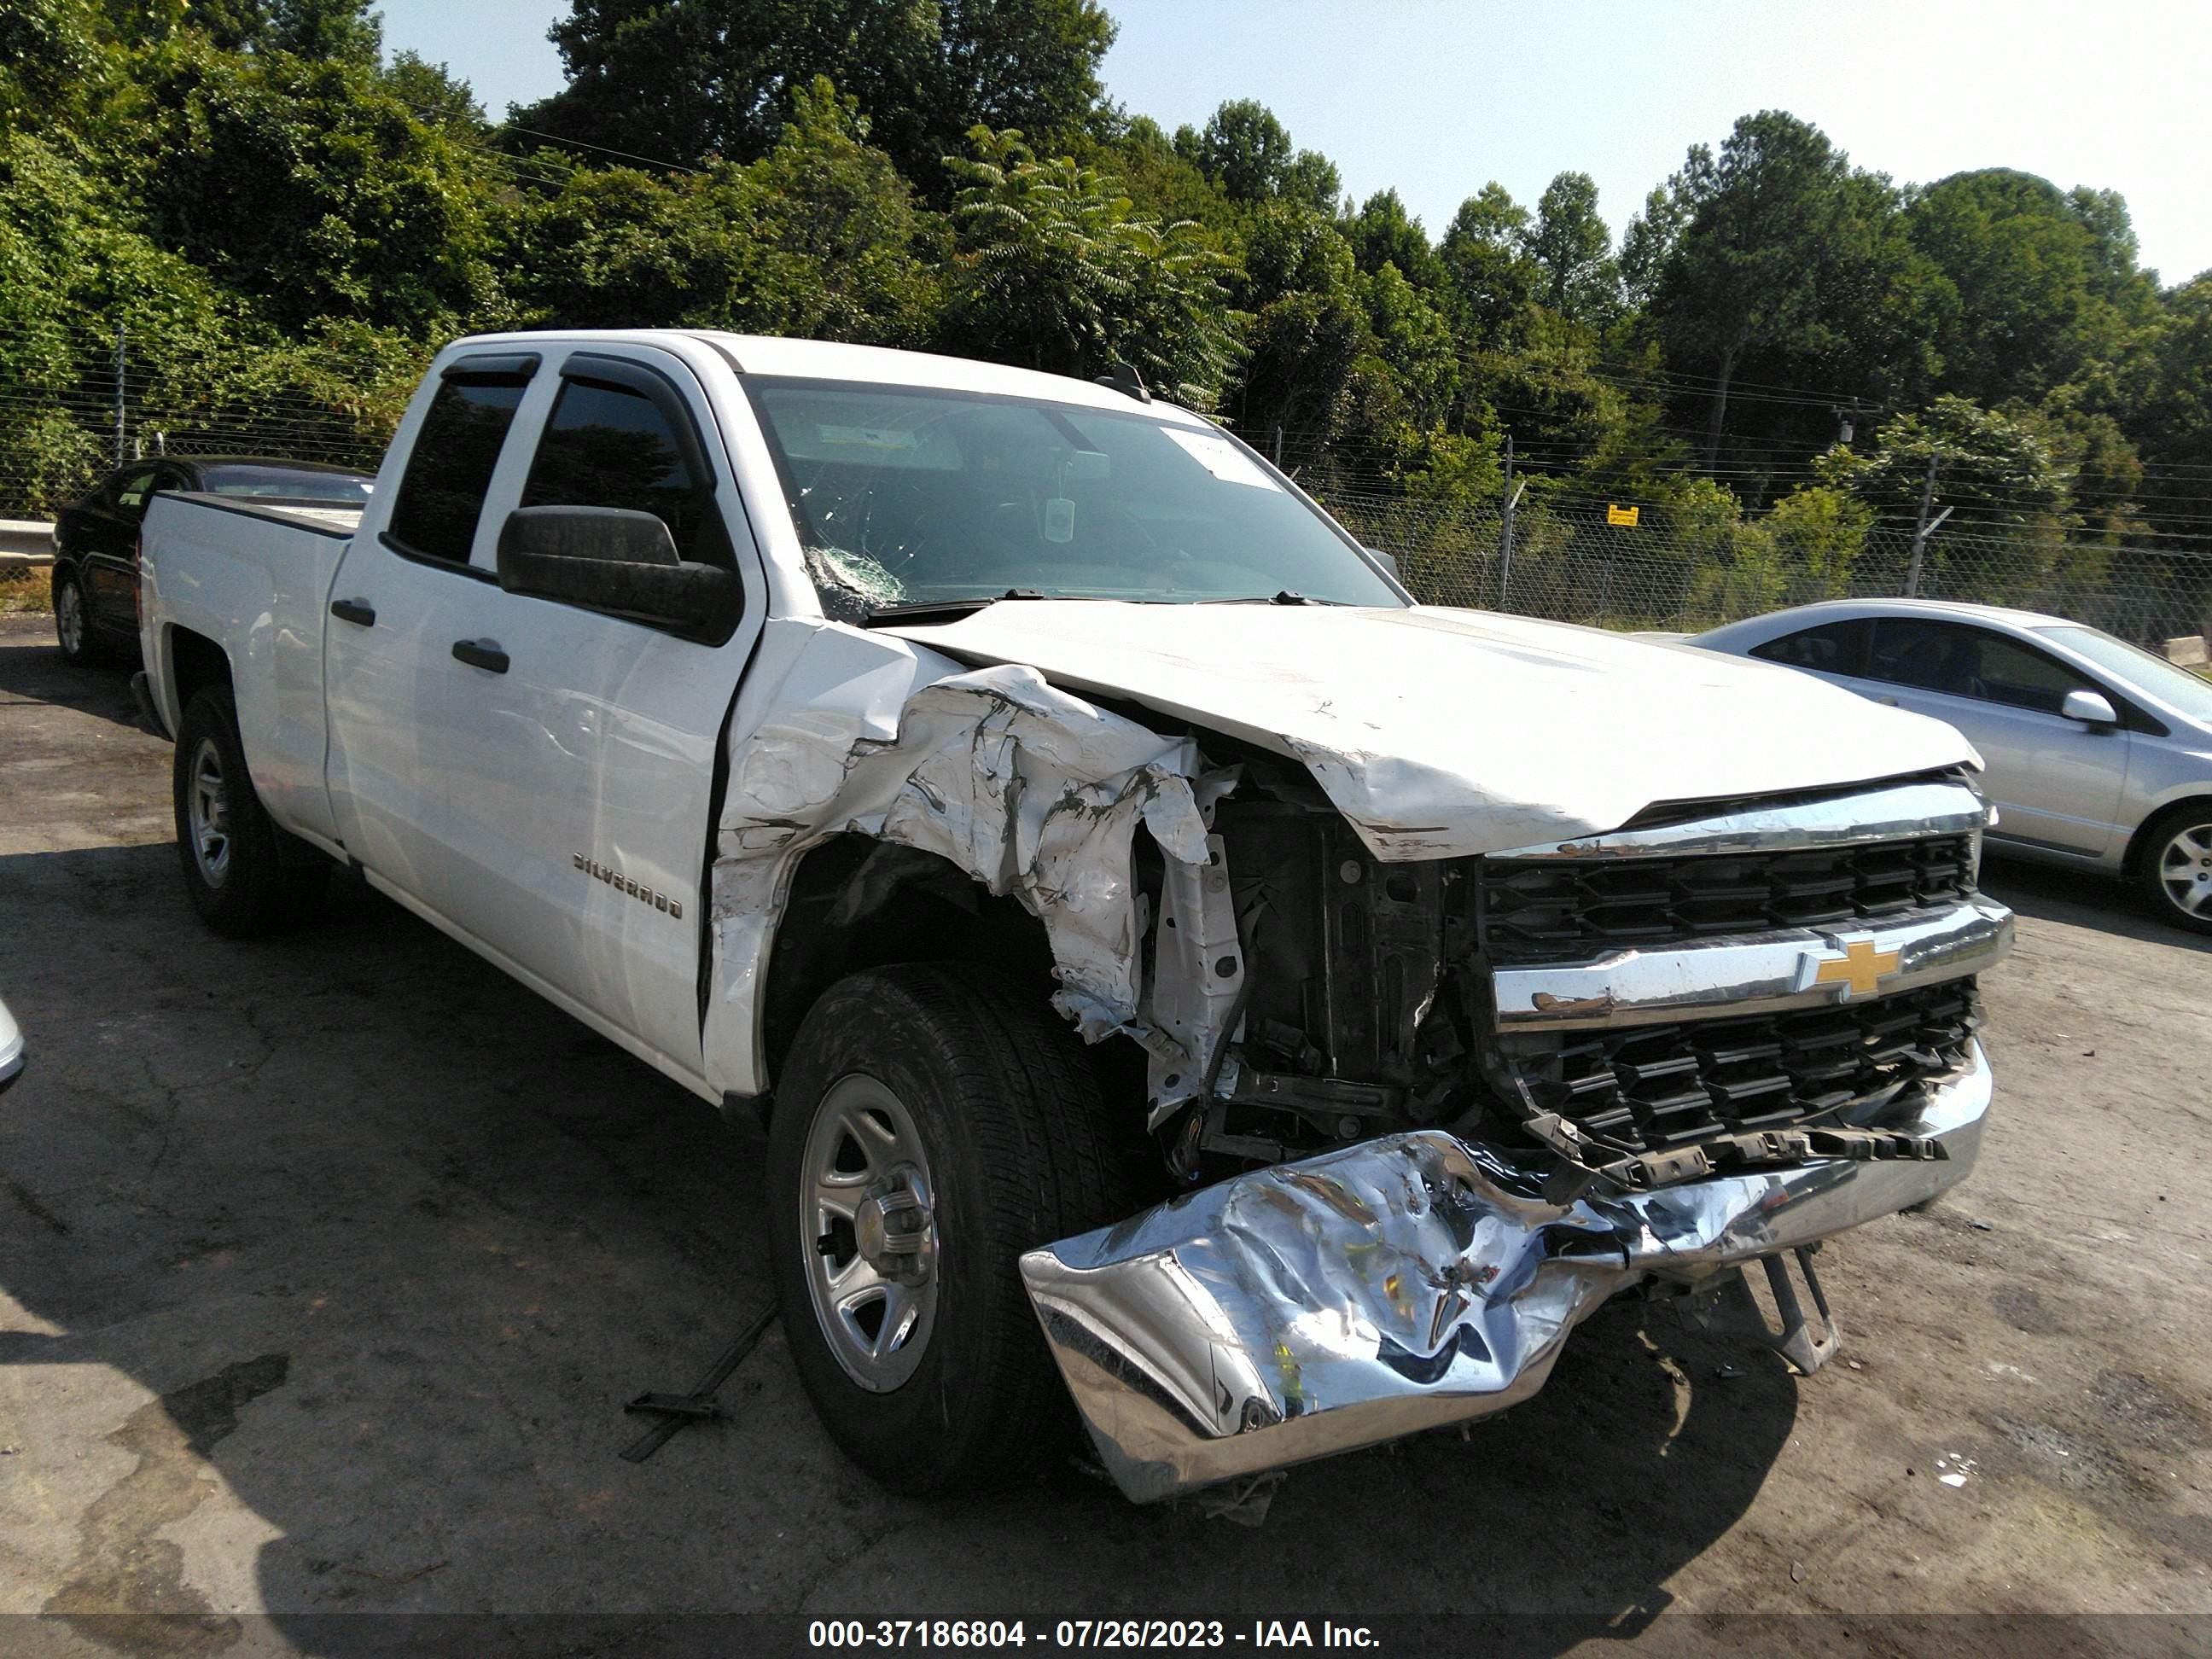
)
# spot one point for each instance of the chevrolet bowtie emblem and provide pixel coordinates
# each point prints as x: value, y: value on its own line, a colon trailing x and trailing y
x: 1860, y: 968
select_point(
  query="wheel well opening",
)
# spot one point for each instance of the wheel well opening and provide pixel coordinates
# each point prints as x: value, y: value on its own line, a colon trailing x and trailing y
x: 196, y: 662
x: 857, y: 904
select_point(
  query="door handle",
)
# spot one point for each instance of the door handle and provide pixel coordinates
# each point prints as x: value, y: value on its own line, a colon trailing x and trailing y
x: 481, y: 653
x: 360, y: 612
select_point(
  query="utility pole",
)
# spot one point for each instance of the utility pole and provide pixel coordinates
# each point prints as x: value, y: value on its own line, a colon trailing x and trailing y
x: 1505, y: 533
x: 1278, y: 445
x: 1923, y: 531
x: 1846, y: 416
x: 120, y: 456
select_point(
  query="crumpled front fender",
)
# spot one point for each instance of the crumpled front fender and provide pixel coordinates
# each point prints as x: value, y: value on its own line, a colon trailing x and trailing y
x: 1401, y: 1284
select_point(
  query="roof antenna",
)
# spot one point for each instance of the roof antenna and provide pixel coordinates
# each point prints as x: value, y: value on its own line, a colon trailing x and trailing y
x: 1123, y: 377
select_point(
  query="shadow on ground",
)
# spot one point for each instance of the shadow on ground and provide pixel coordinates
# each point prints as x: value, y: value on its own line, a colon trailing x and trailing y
x: 391, y: 1240
x: 337, y: 1254
x: 2081, y: 900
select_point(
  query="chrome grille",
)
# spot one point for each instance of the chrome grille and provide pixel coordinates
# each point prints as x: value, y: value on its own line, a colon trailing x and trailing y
x: 1538, y: 910
x: 1652, y: 1087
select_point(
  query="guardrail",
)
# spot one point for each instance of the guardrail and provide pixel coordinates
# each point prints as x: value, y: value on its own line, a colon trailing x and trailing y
x: 25, y: 541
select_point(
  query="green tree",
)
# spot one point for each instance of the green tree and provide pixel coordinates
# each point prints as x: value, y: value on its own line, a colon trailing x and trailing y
x: 820, y: 238
x: 1248, y: 152
x: 1995, y: 470
x: 357, y: 208
x: 1054, y: 271
x: 1572, y: 248
x: 1415, y: 342
x: 683, y: 79
x: 2045, y: 282
x: 1489, y: 279
x: 326, y: 31
x: 1383, y: 233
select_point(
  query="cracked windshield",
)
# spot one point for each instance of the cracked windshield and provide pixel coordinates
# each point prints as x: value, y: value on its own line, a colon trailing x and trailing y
x: 906, y: 498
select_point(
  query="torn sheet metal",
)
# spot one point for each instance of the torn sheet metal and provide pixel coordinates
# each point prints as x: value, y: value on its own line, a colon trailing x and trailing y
x: 1445, y: 734
x: 1401, y: 1284
x: 1032, y: 792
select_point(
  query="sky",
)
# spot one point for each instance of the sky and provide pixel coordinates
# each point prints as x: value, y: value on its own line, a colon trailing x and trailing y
x: 1438, y: 97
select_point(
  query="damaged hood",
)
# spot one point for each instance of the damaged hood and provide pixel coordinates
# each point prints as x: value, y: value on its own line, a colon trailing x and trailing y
x: 1443, y: 733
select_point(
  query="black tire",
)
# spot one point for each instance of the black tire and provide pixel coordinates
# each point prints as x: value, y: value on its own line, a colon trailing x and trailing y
x: 1019, y: 1150
x: 80, y: 641
x: 262, y: 880
x: 2166, y: 900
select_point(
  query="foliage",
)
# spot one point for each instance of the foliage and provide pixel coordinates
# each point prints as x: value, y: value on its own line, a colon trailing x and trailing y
x: 1055, y: 270
x: 686, y: 80
x: 1993, y: 469
x: 1572, y: 247
x: 276, y: 217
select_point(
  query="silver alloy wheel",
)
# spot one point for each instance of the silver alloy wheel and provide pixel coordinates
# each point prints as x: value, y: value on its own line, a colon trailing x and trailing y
x: 208, y: 806
x: 2184, y: 869
x: 868, y: 1232
x: 69, y: 617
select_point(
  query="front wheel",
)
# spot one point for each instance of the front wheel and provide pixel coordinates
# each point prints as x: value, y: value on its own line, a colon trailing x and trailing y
x: 235, y: 861
x: 2173, y: 871
x: 934, y: 1121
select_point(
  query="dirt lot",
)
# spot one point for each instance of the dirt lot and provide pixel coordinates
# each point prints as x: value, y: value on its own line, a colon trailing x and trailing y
x: 325, y: 1265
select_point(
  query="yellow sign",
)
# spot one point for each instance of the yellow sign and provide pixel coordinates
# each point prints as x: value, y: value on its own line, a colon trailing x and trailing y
x: 1621, y: 514
x: 1861, y: 967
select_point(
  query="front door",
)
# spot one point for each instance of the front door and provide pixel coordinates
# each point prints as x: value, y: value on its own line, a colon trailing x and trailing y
x: 110, y: 537
x: 2057, y: 782
x: 579, y: 831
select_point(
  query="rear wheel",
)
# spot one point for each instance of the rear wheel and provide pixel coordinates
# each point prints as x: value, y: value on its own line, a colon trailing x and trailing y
x: 73, y: 620
x: 2173, y: 869
x: 244, y: 874
x: 934, y: 1121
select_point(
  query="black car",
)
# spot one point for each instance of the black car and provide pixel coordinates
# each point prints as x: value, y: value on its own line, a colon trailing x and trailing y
x: 96, y: 539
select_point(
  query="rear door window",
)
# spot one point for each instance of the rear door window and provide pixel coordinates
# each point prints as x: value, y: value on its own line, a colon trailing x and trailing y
x: 441, y: 496
x: 1835, y: 647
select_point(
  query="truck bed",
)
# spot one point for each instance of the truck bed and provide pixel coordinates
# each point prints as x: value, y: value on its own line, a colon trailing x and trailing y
x: 252, y: 576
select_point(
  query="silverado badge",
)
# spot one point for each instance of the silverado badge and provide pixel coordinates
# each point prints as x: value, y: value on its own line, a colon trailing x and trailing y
x: 622, y: 883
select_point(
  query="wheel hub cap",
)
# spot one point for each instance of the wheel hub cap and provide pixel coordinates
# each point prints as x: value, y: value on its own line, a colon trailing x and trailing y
x: 2185, y: 870
x: 70, y: 617
x: 207, y: 807
x: 892, y: 1232
x: 869, y: 1231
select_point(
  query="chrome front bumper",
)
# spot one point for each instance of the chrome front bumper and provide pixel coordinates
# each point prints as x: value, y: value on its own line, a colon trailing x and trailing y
x: 1401, y: 1285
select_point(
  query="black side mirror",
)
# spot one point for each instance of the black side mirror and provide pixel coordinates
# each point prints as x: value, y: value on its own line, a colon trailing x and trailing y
x: 621, y: 561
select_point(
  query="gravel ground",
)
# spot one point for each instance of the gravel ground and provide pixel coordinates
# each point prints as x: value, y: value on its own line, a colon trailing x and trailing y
x: 326, y: 1264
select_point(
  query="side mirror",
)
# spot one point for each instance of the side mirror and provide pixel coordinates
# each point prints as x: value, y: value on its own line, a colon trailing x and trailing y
x: 623, y: 563
x: 2090, y: 707
x: 1388, y: 563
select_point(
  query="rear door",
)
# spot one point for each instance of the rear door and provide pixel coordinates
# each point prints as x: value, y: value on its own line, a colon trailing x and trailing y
x: 409, y: 586
x: 2057, y: 782
x: 582, y: 834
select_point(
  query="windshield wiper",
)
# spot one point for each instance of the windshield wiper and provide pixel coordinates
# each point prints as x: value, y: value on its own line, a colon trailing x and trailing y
x: 930, y: 611
x: 1287, y: 596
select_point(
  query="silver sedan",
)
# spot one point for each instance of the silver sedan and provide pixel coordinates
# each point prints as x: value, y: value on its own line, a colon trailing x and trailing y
x: 2098, y: 753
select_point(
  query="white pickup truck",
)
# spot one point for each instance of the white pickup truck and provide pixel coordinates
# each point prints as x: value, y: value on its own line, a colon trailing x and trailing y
x: 1165, y: 961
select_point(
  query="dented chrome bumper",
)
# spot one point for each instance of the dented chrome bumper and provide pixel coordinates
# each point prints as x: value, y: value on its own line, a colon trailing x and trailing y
x: 1401, y: 1285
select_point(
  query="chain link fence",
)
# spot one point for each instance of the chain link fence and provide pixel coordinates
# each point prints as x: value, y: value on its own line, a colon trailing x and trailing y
x: 1569, y: 563
x: 73, y: 404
